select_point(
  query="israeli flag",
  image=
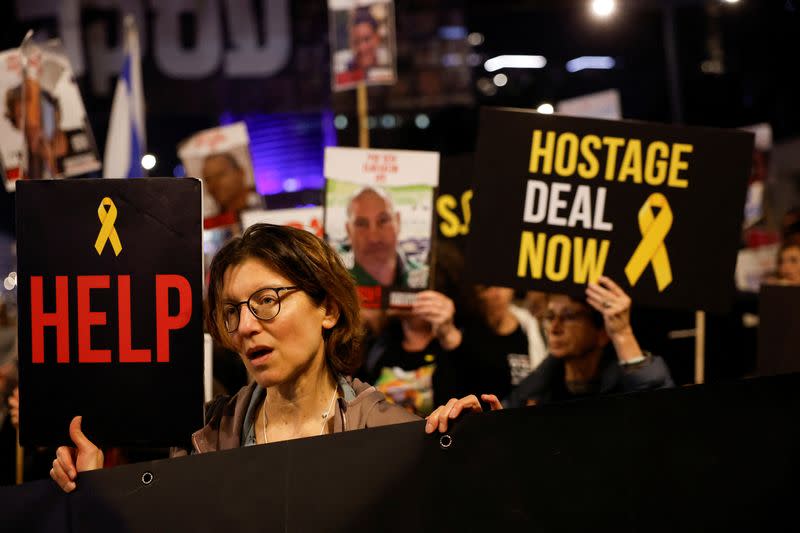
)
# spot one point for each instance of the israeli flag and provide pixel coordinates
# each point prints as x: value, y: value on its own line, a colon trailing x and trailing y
x: 125, y: 143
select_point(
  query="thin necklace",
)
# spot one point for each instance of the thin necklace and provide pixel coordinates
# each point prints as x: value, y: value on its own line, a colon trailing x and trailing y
x: 324, y: 415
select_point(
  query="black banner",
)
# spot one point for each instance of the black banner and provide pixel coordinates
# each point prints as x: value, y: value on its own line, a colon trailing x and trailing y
x: 110, y: 310
x: 561, y: 200
x: 778, y: 330
x: 454, y: 198
x: 706, y: 458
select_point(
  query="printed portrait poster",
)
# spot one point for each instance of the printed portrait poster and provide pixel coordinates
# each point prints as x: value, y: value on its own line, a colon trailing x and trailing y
x: 379, y: 216
x: 110, y: 310
x: 362, y: 39
x: 307, y: 218
x: 220, y: 157
x: 560, y: 201
x: 44, y: 132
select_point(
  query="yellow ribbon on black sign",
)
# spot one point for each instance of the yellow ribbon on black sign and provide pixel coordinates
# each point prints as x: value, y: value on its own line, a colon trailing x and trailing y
x: 107, y: 231
x: 651, y: 249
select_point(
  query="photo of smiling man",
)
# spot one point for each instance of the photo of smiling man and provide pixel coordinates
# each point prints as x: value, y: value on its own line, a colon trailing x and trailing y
x: 362, y: 43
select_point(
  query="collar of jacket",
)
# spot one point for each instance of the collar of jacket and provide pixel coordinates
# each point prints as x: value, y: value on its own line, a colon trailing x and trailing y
x: 232, y: 417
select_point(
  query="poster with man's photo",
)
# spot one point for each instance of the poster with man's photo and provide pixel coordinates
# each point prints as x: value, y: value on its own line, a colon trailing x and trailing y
x: 220, y: 157
x: 44, y: 132
x: 307, y: 218
x: 362, y: 38
x: 379, y: 216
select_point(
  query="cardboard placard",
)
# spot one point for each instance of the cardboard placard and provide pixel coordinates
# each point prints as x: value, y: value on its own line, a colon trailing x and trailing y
x: 778, y: 330
x: 454, y: 198
x: 362, y: 37
x: 44, y: 131
x: 379, y: 216
x: 603, y: 104
x: 307, y: 218
x: 110, y: 310
x: 561, y: 200
x: 221, y: 158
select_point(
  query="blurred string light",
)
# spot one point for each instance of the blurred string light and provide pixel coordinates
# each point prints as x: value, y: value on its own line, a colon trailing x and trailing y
x: 388, y: 121
x: 340, y: 122
x: 590, y: 62
x: 486, y: 86
x: 11, y: 281
x: 452, y: 33
x: 291, y: 185
x: 372, y: 122
x: 452, y: 60
x: 545, y: 109
x: 422, y: 121
x: 603, y: 8
x: 475, y: 38
x: 148, y: 161
x: 514, y: 61
x: 179, y: 171
x: 500, y: 79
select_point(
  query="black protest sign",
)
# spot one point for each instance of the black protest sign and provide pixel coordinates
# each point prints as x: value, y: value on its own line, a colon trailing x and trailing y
x: 561, y: 200
x: 110, y: 310
x: 453, y: 202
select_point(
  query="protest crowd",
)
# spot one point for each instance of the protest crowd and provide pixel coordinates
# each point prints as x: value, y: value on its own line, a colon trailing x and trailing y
x: 518, y: 259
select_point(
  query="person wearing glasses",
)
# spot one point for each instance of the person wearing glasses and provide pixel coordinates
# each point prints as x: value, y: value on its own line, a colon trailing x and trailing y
x: 579, y: 364
x: 281, y: 298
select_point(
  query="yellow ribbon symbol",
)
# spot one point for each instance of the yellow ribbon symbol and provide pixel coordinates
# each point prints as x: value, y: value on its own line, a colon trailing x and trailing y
x: 651, y: 249
x: 107, y: 232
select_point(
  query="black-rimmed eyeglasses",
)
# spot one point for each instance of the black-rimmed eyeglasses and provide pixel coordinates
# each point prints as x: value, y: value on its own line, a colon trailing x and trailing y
x: 265, y: 304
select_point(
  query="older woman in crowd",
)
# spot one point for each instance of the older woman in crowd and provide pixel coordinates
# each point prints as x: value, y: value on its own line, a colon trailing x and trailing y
x: 579, y: 332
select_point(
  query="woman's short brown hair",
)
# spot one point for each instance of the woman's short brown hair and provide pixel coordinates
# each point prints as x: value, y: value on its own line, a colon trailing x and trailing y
x: 310, y: 264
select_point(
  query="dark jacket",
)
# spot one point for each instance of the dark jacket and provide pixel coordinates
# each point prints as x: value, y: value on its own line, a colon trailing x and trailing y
x: 547, y: 382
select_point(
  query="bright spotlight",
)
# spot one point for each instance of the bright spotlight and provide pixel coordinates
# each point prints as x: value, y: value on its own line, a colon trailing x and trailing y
x: 500, y: 79
x: 603, y: 8
x: 590, y: 62
x: 509, y: 61
x: 545, y: 109
x: 148, y: 161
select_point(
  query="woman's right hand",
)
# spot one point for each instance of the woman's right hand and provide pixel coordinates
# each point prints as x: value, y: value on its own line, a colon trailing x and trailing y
x: 69, y: 461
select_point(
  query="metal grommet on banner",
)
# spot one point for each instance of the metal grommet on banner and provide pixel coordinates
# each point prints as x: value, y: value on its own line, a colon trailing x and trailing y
x: 147, y: 478
x: 445, y: 441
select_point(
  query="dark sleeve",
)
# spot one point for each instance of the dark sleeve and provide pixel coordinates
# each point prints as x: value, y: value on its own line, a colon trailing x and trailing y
x: 652, y: 373
x: 534, y: 386
x: 446, y: 381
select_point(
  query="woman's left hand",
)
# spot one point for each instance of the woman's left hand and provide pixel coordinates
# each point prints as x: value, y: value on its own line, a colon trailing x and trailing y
x: 439, y: 418
x: 609, y: 298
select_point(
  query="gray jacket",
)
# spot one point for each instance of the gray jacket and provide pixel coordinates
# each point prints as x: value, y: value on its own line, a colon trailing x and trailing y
x: 230, y: 419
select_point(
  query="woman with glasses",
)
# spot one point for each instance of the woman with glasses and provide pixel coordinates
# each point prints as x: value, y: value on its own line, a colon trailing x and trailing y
x: 282, y: 299
x: 578, y: 333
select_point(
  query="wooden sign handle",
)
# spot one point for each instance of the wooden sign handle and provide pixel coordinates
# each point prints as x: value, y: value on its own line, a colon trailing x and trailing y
x: 20, y: 461
x: 699, y: 346
x: 363, y: 115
